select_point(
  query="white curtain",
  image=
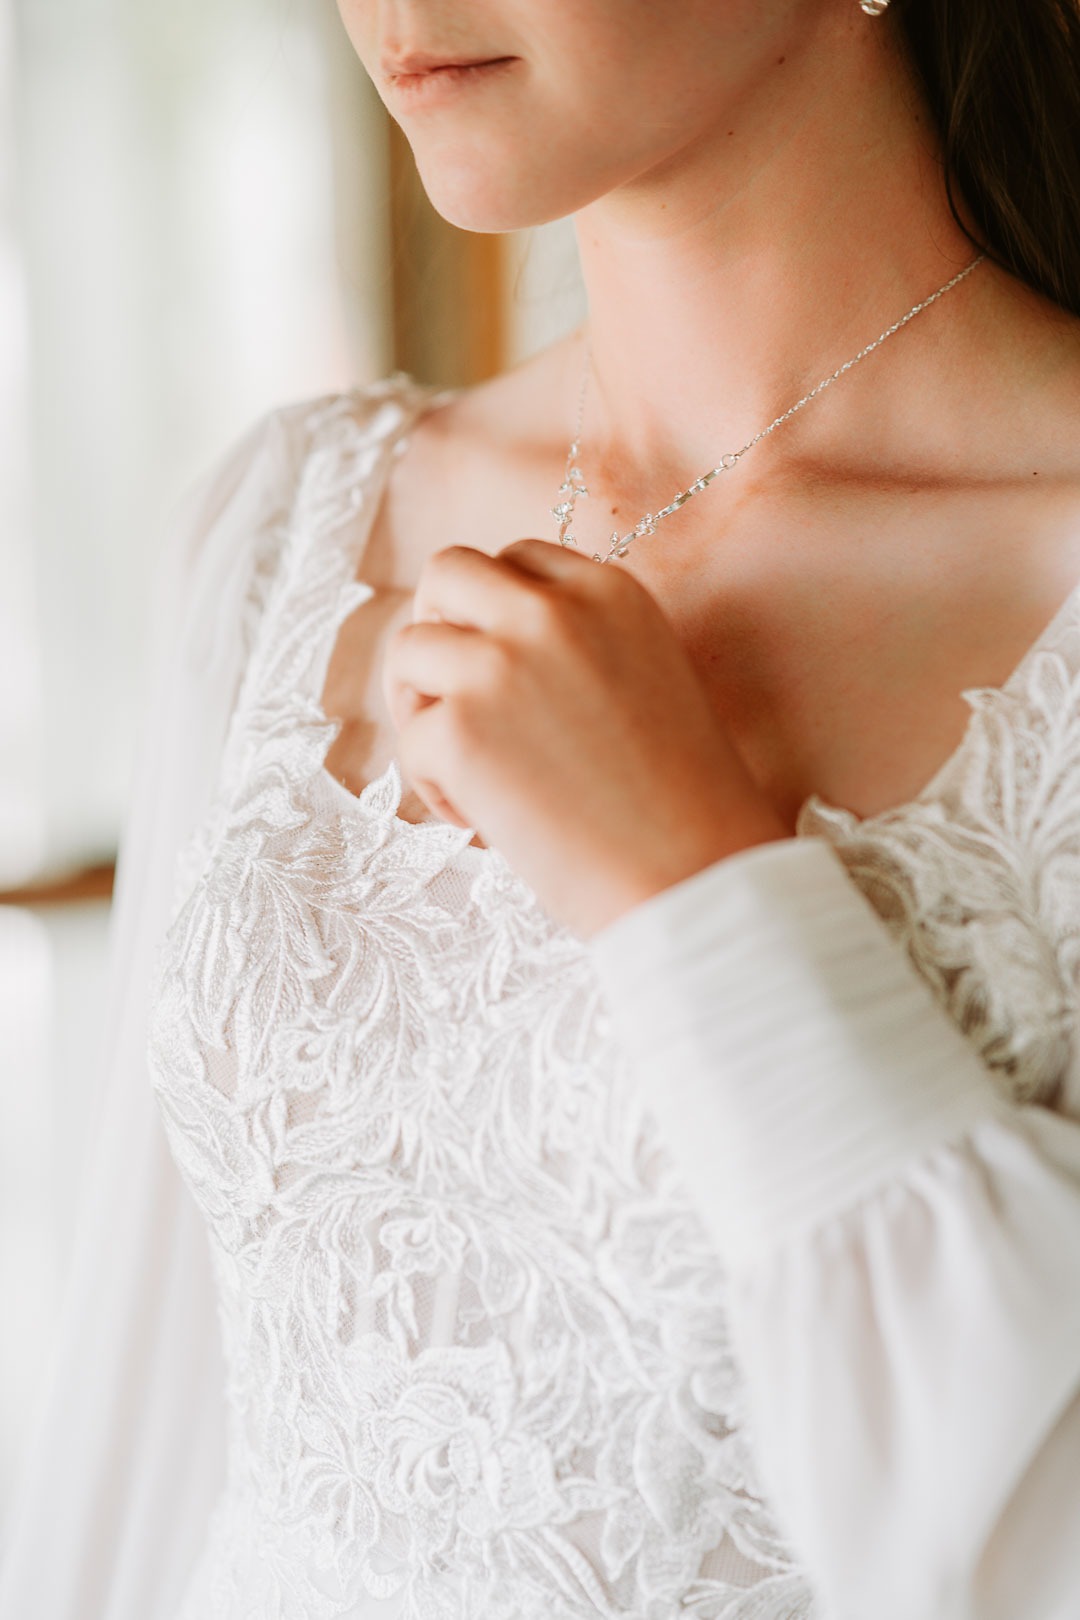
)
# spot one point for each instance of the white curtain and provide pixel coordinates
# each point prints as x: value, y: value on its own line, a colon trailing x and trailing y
x: 127, y: 1454
x: 181, y: 248
x: 20, y: 799
x: 192, y: 230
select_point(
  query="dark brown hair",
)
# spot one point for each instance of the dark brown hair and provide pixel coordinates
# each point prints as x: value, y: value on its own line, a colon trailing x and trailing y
x: 1002, y: 78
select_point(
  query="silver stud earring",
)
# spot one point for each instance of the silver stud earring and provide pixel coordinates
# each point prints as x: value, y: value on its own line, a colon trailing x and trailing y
x: 874, y: 8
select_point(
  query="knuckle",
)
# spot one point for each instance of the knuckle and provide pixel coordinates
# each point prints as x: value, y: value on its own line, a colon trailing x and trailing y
x: 460, y: 736
x: 497, y: 663
x: 526, y: 546
x: 395, y: 646
x: 614, y: 581
x: 447, y: 556
x: 539, y: 614
x: 459, y: 726
x: 398, y: 656
x: 434, y: 568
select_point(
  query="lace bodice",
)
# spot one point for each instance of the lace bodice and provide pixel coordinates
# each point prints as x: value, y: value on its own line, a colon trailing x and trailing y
x: 475, y: 1332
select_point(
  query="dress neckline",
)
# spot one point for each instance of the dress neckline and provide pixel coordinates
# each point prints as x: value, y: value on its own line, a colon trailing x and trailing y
x: 815, y: 804
x: 380, y: 797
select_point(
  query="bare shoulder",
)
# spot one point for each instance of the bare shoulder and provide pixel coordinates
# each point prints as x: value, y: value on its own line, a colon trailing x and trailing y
x: 1031, y: 462
x: 477, y: 468
x: 1032, y: 357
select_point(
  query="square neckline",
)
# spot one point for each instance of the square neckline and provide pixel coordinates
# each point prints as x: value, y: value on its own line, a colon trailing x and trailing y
x: 418, y: 400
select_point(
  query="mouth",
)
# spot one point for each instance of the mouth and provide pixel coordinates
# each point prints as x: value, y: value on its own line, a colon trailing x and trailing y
x: 419, y: 78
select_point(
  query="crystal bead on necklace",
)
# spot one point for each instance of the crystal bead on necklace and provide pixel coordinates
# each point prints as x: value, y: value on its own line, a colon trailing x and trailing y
x: 573, y: 486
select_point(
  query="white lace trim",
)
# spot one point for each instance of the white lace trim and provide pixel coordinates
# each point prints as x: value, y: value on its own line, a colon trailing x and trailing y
x: 475, y: 1332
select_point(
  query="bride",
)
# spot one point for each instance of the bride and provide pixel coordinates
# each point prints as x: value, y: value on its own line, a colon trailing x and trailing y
x: 594, y: 1119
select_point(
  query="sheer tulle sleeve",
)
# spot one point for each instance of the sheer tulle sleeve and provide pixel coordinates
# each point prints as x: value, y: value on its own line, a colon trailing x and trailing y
x: 112, y: 1503
x: 902, y: 1242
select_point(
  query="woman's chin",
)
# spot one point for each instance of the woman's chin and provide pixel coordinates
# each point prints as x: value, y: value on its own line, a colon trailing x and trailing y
x: 476, y: 200
x: 476, y: 208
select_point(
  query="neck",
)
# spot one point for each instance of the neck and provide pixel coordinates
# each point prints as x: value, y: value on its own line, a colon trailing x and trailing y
x: 727, y: 283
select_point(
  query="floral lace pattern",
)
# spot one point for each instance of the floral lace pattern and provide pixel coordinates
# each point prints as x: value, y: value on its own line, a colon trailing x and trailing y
x: 979, y: 876
x: 474, y: 1331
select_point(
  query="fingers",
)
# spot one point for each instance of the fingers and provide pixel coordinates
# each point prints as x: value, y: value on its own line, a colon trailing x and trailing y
x: 465, y: 586
x: 427, y: 753
x: 428, y: 660
x: 546, y: 559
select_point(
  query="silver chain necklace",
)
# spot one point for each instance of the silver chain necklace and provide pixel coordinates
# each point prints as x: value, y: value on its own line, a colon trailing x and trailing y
x: 573, y: 487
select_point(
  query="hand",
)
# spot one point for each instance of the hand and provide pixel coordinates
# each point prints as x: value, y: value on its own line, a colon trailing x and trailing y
x: 544, y: 701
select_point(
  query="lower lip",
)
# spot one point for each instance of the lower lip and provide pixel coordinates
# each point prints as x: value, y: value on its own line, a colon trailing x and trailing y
x: 440, y: 84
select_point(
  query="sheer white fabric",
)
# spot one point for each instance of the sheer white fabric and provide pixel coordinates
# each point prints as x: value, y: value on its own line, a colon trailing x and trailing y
x: 559, y: 1279
x: 129, y: 1452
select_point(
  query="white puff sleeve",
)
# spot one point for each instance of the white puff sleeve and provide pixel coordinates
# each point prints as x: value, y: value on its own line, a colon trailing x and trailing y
x: 128, y: 1447
x: 902, y: 1243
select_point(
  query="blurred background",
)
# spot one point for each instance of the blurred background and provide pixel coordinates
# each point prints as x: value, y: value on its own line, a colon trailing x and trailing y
x: 204, y: 212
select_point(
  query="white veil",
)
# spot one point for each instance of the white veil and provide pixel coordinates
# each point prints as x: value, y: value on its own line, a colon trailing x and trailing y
x: 127, y: 1452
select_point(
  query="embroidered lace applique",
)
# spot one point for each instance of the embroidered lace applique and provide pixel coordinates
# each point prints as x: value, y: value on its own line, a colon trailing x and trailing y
x: 474, y: 1331
x: 979, y: 877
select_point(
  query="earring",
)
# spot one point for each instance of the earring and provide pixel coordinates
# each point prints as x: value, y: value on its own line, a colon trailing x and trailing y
x: 874, y: 8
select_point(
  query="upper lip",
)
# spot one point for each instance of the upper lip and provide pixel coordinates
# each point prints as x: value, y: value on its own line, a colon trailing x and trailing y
x: 424, y: 62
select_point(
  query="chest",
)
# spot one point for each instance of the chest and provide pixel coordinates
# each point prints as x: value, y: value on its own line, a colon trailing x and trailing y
x: 837, y: 645
x: 835, y: 631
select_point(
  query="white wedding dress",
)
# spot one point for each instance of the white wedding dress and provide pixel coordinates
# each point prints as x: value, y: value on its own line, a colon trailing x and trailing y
x: 726, y: 1265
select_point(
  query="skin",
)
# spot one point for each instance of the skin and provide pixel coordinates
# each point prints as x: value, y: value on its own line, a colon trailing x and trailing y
x: 757, y: 193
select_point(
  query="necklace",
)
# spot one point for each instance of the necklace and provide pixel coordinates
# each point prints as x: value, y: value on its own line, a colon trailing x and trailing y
x: 573, y: 487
